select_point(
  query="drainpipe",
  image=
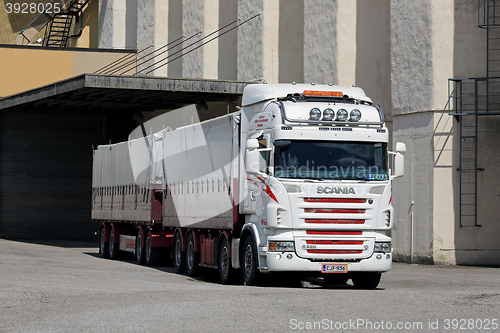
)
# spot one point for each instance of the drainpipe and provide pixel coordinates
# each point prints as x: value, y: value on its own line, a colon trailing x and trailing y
x: 412, y: 232
x: 79, y: 18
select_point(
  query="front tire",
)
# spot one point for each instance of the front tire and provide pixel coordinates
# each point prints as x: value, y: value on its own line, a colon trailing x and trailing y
x: 152, y: 253
x: 251, y: 274
x: 178, y: 256
x: 192, y: 257
x: 366, y: 280
x: 103, y: 244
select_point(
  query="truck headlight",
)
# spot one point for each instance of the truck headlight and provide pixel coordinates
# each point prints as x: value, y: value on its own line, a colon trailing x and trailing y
x: 328, y: 114
x: 382, y: 247
x: 342, y: 115
x: 281, y: 247
x: 355, y: 115
x: 315, y: 114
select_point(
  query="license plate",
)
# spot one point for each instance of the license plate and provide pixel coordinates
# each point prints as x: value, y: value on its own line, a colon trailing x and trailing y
x: 333, y: 268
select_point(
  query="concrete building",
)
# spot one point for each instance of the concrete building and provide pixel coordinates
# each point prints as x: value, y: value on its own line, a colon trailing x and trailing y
x: 403, y: 53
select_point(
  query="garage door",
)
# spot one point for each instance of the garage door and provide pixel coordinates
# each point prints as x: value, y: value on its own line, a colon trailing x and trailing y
x: 46, y: 174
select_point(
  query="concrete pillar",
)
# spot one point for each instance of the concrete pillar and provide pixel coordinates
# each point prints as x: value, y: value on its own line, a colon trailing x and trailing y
x: 174, y: 31
x: 412, y: 71
x: 291, y: 41
x: 200, y: 16
x: 422, y: 37
x: 320, y: 41
x: 373, y: 51
x: 105, y: 36
x: 411, y: 55
x: 346, y: 42
x: 258, y: 41
x: 228, y: 43
x: 155, y: 29
x: 117, y: 24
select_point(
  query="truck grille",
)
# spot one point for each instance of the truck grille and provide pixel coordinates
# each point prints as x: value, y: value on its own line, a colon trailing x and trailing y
x: 334, y: 232
x: 350, y: 215
x: 333, y: 228
x: 317, y: 247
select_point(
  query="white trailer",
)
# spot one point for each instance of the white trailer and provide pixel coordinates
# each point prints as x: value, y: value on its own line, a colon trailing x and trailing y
x: 298, y: 181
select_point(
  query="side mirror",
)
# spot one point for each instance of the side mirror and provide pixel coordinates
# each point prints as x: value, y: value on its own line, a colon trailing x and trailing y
x: 400, y: 147
x: 252, y: 161
x: 252, y: 144
x: 399, y: 165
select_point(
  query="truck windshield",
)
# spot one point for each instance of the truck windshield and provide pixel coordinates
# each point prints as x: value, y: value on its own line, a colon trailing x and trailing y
x: 332, y: 160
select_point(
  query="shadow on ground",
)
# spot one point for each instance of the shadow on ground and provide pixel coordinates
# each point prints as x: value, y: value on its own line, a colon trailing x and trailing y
x: 207, y: 275
x: 63, y: 243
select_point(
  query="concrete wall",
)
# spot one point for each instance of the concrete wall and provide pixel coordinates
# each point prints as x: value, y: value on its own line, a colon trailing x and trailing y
x: 52, y: 65
x: 432, y: 41
x: 290, y: 40
x: 480, y: 245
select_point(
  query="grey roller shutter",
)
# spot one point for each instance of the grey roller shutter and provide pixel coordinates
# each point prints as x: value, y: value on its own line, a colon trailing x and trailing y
x: 46, y: 174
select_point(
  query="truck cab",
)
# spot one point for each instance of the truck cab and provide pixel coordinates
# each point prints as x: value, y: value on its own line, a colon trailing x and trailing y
x: 318, y: 191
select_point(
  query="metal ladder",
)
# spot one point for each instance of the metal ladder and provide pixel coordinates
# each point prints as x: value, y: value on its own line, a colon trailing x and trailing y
x: 470, y: 99
x: 465, y: 98
x: 489, y: 19
x: 58, y: 30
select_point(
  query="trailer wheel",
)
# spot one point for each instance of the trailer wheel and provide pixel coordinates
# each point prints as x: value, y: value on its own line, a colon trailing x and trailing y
x: 226, y: 272
x: 366, y: 280
x: 249, y: 267
x: 152, y: 253
x: 114, y: 249
x: 192, y: 257
x: 178, y: 256
x: 103, y: 245
x: 335, y: 278
x: 139, y: 250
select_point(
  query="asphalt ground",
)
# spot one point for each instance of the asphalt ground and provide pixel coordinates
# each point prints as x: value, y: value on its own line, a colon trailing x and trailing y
x: 62, y: 286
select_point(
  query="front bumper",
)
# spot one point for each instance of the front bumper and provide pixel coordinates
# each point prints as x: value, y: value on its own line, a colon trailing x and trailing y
x: 281, y: 263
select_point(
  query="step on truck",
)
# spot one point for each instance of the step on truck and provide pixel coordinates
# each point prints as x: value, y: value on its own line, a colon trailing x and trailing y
x: 297, y: 181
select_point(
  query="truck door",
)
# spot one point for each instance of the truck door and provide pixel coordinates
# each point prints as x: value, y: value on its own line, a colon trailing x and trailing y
x: 156, y: 179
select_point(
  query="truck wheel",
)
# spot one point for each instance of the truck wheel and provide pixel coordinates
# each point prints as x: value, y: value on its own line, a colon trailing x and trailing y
x: 139, y: 250
x: 226, y: 272
x: 249, y: 267
x: 152, y: 253
x: 335, y: 278
x: 103, y: 245
x: 114, y: 249
x: 178, y: 256
x: 366, y: 280
x: 192, y: 257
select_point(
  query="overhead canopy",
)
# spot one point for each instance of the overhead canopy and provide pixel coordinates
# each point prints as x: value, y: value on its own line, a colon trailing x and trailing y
x: 46, y: 136
x: 93, y: 92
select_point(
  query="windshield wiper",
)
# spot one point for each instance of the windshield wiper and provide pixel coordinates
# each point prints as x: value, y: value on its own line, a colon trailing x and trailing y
x: 304, y: 178
x: 313, y: 178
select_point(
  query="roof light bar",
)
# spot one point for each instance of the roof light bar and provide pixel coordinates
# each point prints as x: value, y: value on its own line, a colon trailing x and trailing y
x: 316, y: 93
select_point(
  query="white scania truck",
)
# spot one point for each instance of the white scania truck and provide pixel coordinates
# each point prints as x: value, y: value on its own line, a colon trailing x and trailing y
x: 297, y: 181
